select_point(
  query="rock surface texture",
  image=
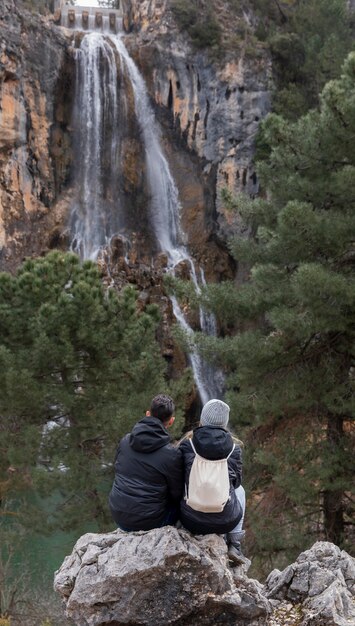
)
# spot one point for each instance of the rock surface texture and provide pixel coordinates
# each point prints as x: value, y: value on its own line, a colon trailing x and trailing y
x: 208, y: 108
x: 322, y: 582
x: 212, y: 108
x: 164, y: 576
x: 34, y: 150
x: 167, y: 576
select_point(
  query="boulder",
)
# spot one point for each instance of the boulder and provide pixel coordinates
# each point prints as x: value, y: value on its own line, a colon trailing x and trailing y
x: 163, y: 576
x: 167, y: 576
x: 321, y: 583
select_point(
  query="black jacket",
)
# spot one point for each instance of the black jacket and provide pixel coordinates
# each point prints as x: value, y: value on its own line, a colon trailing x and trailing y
x: 212, y: 443
x: 148, y: 477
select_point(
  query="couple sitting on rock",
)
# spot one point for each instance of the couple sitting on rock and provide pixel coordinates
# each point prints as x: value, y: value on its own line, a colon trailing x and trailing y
x: 151, y: 486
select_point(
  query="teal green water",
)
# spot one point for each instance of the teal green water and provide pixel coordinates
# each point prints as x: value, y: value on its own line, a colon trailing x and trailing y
x: 43, y: 554
x: 38, y: 555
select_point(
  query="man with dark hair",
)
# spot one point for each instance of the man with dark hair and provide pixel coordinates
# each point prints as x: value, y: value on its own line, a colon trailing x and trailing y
x: 149, y: 478
x: 162, y: 407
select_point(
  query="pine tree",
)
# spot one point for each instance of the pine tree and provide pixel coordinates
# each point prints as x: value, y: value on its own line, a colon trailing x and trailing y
x: 291, y: 354
x: 78, y: 366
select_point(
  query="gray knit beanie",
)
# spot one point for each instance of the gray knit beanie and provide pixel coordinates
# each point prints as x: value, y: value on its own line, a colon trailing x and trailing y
x: 215, y: 413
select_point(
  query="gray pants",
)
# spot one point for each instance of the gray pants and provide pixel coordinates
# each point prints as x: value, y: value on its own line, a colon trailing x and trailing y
x: 240, y: 493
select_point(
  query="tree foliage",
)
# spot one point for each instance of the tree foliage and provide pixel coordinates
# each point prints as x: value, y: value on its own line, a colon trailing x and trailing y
x: 291, y: 358
x: 199, y: 22
x: 309, y: 40
x: 78, y: 366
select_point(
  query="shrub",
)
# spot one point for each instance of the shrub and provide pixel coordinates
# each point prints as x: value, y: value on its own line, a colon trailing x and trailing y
x: 198, y: 22
x: 185, y: 13
x: 205, y: 34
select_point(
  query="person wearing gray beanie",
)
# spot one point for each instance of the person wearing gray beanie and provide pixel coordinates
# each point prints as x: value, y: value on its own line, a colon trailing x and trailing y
x: 212, y: 441
x: 215, y: 413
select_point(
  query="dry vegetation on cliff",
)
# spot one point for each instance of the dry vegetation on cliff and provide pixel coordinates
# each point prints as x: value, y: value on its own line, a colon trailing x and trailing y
x: 308, y: 40
x: 221, y: 26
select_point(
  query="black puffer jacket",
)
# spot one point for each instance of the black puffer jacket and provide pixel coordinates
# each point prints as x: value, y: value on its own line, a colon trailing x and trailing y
x: 148, y: 477
x: 212, y: 443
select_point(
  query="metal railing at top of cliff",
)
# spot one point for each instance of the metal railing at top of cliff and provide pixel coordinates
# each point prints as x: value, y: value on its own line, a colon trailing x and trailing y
x: 58, y: 5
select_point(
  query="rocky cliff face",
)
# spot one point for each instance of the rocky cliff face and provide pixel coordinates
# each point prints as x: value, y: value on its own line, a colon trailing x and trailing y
x: 167, y: 576
x: 208, y: 109
x: 211, y: 110
x: 34, y: 142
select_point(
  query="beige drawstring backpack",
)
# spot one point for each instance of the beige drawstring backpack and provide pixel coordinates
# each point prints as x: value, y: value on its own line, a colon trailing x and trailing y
x: 209, y: 485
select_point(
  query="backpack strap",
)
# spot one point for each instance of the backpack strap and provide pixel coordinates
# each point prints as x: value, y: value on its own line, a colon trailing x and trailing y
x: 192, y: 446
x: 186, y: 490
x: 231, y: 452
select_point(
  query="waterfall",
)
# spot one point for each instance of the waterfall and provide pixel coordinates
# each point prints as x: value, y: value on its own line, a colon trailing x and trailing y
x: 165, y: 216
x: 164, y: 205
x: 95, y: 211
x: 95, y: 217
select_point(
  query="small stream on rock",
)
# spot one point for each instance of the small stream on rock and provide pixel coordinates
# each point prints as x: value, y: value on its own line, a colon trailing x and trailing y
x: 103, y: 68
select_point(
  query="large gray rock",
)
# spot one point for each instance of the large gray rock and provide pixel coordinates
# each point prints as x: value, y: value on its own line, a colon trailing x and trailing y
x: 322, y: 581
x: 164, y: 576
x: 167, y: 576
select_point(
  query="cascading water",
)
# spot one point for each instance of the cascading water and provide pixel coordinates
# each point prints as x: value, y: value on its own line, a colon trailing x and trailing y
x: 165, y: 215
x: 164, y: 205
x: 95, y: 213
x: 97, y: 210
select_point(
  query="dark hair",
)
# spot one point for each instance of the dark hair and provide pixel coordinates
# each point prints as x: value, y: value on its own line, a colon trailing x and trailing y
x: 162, y: 407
